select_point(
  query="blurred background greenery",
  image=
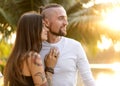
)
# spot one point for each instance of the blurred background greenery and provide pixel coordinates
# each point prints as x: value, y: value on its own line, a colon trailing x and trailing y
x: 94, y: 23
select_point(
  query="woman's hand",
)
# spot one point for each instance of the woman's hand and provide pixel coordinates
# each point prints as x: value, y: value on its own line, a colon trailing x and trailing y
x: 51, y: 58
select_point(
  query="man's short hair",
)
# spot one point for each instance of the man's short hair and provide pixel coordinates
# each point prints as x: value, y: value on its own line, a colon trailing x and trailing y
x: 51, y: 5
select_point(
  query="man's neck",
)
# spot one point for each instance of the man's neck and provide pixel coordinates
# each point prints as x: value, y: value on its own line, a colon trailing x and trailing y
x: 54, y: 39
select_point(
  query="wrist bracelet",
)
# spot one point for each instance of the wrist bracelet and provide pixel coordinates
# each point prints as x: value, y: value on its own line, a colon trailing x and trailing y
x: 49, y: 69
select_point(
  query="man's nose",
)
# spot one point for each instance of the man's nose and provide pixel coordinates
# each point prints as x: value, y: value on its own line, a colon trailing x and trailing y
x: 65, y: 22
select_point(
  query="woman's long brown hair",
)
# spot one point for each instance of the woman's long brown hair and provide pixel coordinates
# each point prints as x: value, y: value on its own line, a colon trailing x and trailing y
x: 28, y: 38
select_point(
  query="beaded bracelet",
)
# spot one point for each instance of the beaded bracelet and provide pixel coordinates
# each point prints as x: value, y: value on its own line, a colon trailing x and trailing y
x: 49, y: 69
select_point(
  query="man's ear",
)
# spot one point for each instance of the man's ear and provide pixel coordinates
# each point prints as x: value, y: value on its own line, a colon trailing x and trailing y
x: 46, y: 22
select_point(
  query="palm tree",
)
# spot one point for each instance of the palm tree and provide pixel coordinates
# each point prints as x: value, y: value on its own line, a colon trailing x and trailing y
x: 83, y: 22
x: 11, y: 10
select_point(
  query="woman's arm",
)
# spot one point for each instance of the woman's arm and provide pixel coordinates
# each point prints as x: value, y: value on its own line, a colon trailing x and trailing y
x: 37, y: 70
x: 40, y: 76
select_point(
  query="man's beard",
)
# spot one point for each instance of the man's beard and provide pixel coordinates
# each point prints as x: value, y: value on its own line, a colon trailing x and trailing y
x: 60, y: 33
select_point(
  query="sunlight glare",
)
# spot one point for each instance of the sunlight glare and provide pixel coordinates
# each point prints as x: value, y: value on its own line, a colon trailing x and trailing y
x: 106, y: 1
x: 116, y: 66
x: 1, y: 36
x: 112, y: 19
x: 9, y: 28
x: 105, y: 44
x: 105, y: 79
x: 11, y: 40
x: 117, y: 46
x: 88, y: 5
x: 1, y: 81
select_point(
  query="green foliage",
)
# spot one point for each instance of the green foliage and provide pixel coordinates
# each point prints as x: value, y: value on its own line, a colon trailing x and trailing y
x: 5, y: 50
x: 85, y: 26
x: 11, y: 10
x: 84, y: 23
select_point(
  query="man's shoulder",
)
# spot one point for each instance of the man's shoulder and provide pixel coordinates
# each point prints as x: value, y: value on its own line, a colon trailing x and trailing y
x: 72, y: 41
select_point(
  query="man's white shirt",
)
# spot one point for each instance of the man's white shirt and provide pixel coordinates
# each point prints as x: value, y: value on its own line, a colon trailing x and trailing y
x: 72, y: 58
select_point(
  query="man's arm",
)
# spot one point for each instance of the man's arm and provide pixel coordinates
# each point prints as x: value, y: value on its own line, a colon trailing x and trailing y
x: 84, y: 68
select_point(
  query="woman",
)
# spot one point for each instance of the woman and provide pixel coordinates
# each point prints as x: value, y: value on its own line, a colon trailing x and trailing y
x: 24, y: 66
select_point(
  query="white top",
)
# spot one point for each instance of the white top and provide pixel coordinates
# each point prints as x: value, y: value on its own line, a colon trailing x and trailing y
x: 72, y: 58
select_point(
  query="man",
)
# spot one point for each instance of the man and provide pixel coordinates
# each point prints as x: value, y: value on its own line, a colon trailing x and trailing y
x: 72, y: 57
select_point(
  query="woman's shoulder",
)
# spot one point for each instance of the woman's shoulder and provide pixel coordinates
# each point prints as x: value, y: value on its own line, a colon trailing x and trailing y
x: 33, y: 57
x: 33, y: 54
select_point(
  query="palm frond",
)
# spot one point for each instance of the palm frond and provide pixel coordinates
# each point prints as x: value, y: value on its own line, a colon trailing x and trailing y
x: 76, y: 7
x: 6, y: 16
x: 11, y: 10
